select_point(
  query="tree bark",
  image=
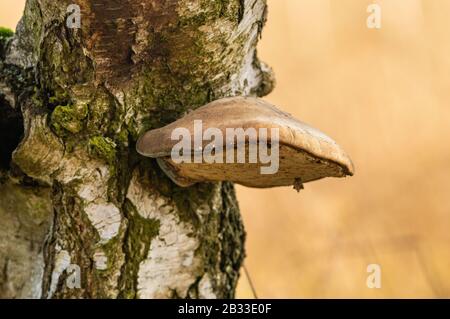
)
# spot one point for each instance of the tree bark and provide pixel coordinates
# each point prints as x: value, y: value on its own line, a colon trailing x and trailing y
x: 73, y: 191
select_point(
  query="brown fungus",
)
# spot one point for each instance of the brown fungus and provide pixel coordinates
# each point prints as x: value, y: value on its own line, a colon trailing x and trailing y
x: 303, y: 154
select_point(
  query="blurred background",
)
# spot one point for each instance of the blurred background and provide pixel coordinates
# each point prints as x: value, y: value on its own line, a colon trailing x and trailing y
x: 383, y: 95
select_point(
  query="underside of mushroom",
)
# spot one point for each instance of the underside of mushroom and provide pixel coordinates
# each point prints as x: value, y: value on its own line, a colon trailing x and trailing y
x: 297, y: 154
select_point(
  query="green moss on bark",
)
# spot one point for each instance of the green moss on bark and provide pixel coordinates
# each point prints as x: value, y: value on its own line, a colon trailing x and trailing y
x: 68, y: 119
x: 138, y: 239
x: 104, y: 148
x: 5, y: 33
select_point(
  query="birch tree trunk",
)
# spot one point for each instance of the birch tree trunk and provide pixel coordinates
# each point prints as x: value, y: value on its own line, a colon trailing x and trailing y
x: 75, y: 198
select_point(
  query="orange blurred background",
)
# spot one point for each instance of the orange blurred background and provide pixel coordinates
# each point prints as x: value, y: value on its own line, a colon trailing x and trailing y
x: 384, y: 96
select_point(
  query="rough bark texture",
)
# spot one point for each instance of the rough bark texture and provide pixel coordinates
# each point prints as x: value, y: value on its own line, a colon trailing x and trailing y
x: 74, y: 192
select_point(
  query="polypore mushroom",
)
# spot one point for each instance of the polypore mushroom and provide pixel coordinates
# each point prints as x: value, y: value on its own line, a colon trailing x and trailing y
x: 302, y: 153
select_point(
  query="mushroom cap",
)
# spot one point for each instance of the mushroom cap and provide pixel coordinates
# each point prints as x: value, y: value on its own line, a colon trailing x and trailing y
x: 305, y: 153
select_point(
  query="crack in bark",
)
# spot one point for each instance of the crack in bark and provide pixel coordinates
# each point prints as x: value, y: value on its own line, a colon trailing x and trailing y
x: 11, y: 132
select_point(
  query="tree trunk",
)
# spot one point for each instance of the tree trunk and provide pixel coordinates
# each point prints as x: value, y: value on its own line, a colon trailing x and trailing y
x: 83, y: 216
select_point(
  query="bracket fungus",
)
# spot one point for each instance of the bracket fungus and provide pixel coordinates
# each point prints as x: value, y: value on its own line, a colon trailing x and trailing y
x: 221, y: 140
